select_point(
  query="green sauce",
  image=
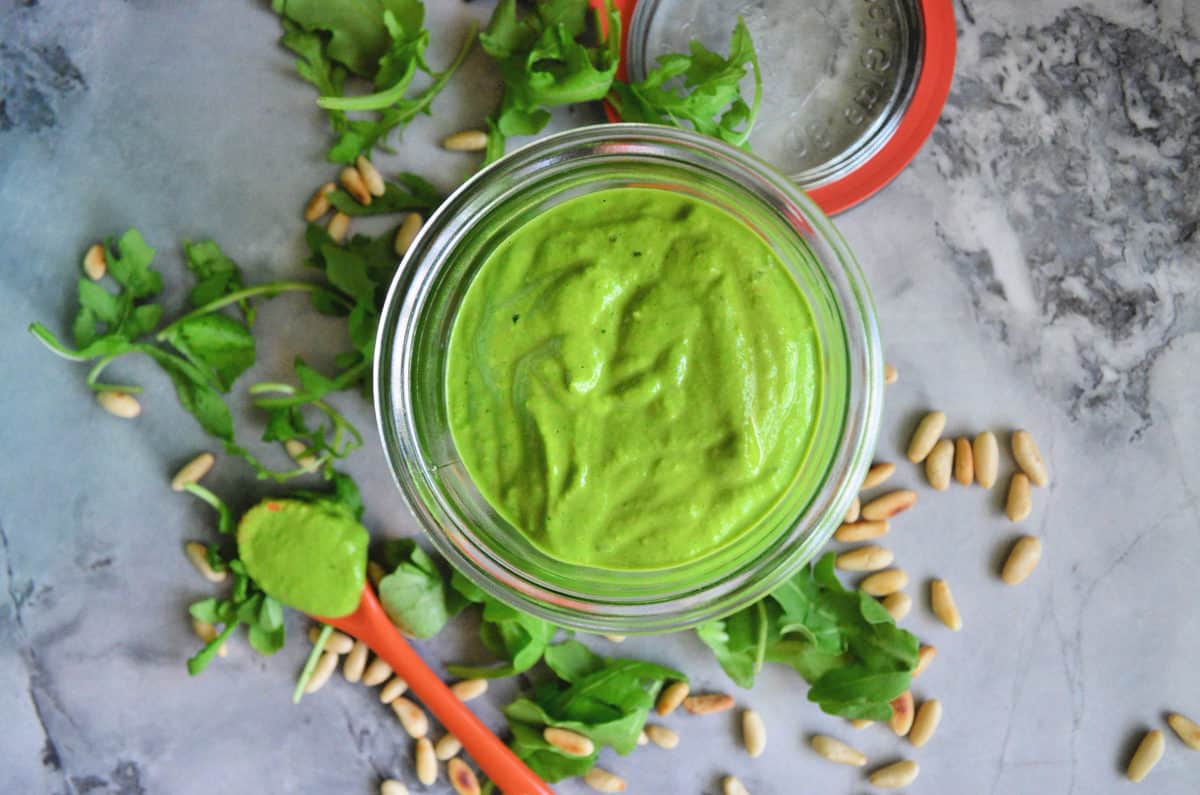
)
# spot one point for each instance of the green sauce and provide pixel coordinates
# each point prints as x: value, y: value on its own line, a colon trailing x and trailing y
x: 632, y: 379
x: 308, y: 556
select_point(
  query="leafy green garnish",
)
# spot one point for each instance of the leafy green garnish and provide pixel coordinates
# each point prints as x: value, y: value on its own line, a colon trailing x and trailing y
x: 407, y: 192
x: 416, y: 594
x: 548, y: 57
x: 519, y: 638
x: 700, y: 88
x: 246, y: 604
x: 842, y: 642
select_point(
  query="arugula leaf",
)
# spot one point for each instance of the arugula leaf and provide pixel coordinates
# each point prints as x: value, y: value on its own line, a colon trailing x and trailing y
x: 701, y: 89
x: 415, y: 594
x: 514, y: 636
x: 220, y: 346
x: 216, y: 276
x: 357, y: 36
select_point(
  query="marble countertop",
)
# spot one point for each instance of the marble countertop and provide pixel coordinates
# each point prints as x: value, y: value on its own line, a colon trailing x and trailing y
x: 1036, y: 267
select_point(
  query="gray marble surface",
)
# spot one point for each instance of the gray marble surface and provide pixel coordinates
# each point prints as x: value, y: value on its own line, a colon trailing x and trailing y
x: 1036, y: 267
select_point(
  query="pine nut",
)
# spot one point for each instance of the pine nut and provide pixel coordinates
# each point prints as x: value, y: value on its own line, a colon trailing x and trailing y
x: 462, y: 777
x: 466, y: 141
x: 877, y: 474
x: 853, y: 511
x: 942, y: 601
x: 986, y: 453
x: 468, y: 689
x: 354, y: 184
x: 321, y: 673
x: 939, y: 463
x: 661, y: 736
x: 925, y: 436
x: 964, y: 461
x: 1029, y: 458
x: 730, y: 785
x: 407, y: 233
x: 902, y: 714
x: 885, y: 583
x: 569, y: 742
x: 898, y: 605
x: 925, y: 723
x: 377, y: 672
x: 208, y: 633
x: 837, y: 751
x: 603, y: 781
x: 197, y: 553
x: 375, y: 573
x: 119, y: 404
x: 193, y: 471
x: 862, y: 531
x: 708, y: 703
x: 672, y: 696
x: 868, y: 558
x: 426, y: 762
x: 1020, y: 501
x: 395, y: 687
x: 412, y: 718
x: 370, y: 176
x: 754, y: 733
x: 860, y: 724
x: 615, y: 638
x: 318, y: 204
x: 392, y: 787
x: 1148, y: 752
x: 338, y: 227
x: 95, y: 264
x: 356, y: 661
x: 298, y: 452
x: 1187, y: 729
x: 1022, y: 560
x: 890, y: 374
x: 895, y: 775
x: 337, y: 642
x: 447, y: 747
x: 925, y: 656
x: 889, y: 505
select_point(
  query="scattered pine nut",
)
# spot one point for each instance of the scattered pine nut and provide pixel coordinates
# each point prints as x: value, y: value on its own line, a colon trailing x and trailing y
x: 462, y: 777
x: 902, y: 714
x: 854, y: 510
x: 119, y: 404
x: 603, y: 781
x: 468, y: 689
x: 356, y: 661
x: 964, y: 461
x: 95, y: 264
x: 860, y: 723
x: 299, y: 453
x: 615, y: 638
x: 925, y: 656
x: 730, y: 785
x: 928, y: 716
x: 1022, y: 560
x: 877, y: 474
x: 447, y: 747
x: 208, y: 633
x: 986, y: 453
x: 662, y: 736
x: 862, y: 531
x: 754, y: 733
x: 895, y: 775
x: 318, y: 205
x: 412, y: 718
x: 1148, y: 752
x: 1187, y: 729
x: 197, y: 553
x: 889, y: 505
x: 1029, y: 458
x: 466, y: 141
x: 925, y: 436
x: 321, y: 673
x: 569, y: 742
x: 354, y: 184
x: 377, y: 672
x: 942, y: 601
x: 337, y: 642
x: 375, y: 573
x: 890, y: 374
x: 939, y: 463
x: 898, y: 605
x: 837, y: 751
x: 193, y: 471
x: 370, y: 176
x: 885, y: 583
x: 338, y: 226
x: 672, y: 696
x: 708, y: 703
x: 395, y: 687
x: 1020, y: 501
x: 867, y: 558
x: 407, y: 233
x: 392, y: 787
x: 426, y: 762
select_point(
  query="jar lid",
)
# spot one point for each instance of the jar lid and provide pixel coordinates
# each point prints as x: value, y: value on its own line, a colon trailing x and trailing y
x: 851, y: 88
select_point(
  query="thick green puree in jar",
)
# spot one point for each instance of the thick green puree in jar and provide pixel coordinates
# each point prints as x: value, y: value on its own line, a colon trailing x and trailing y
x: 633, y: 379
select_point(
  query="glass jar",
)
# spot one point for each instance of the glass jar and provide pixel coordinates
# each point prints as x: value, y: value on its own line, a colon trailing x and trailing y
x: 411, y: 364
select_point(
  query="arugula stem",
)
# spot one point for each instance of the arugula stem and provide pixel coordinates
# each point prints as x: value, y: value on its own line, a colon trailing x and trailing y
x: 98, y: 368
x: 271, y: 289
x: 225, y: 518
x: 311, y: 663
x: 47, y: 338
x: 343, y: 380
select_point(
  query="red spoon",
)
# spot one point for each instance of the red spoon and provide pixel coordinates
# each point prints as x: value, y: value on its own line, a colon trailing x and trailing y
x: 372, y: 626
